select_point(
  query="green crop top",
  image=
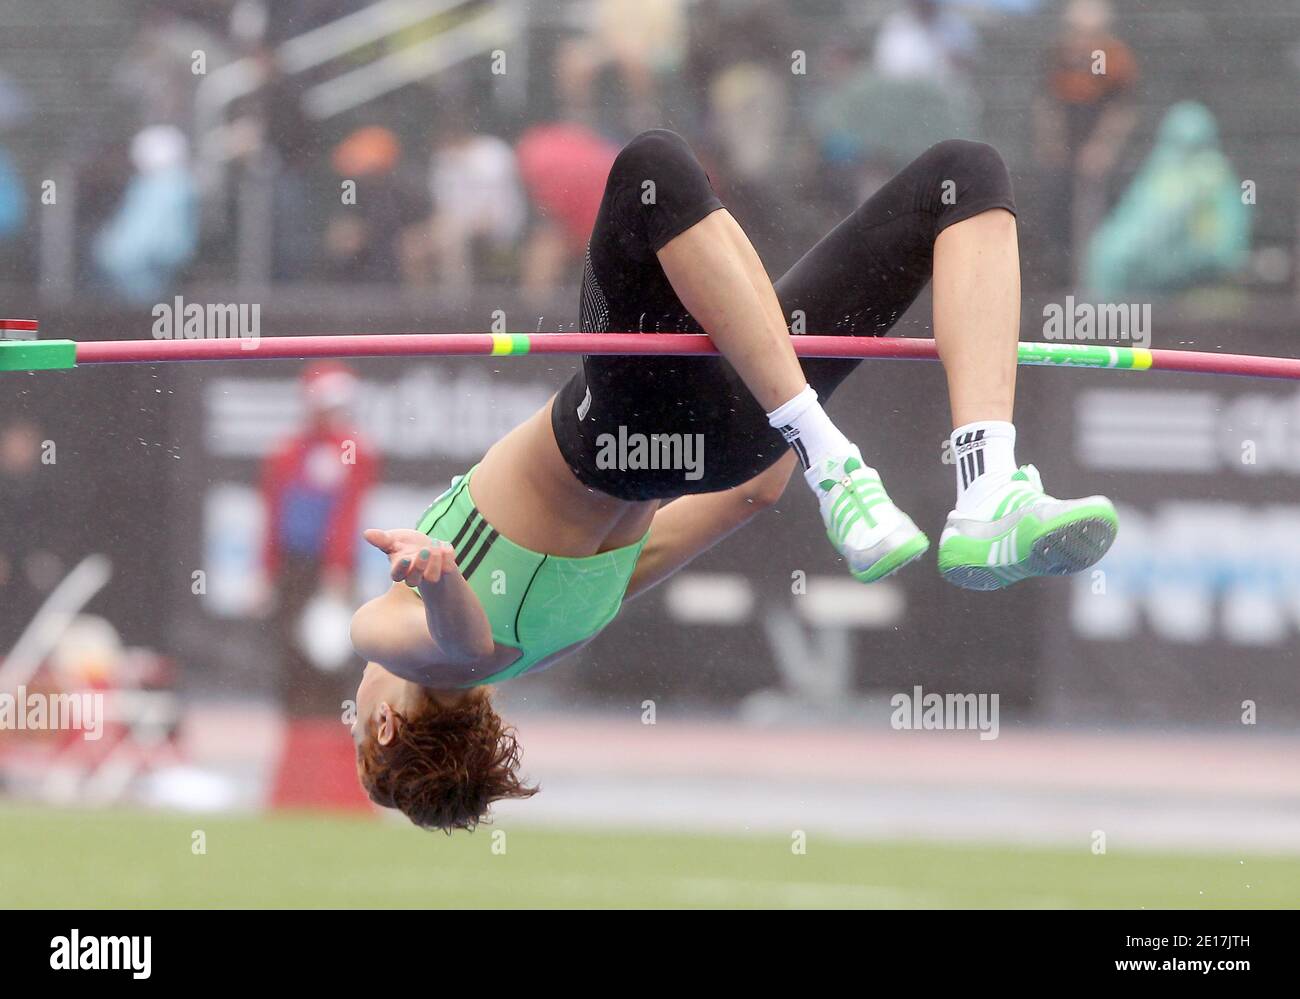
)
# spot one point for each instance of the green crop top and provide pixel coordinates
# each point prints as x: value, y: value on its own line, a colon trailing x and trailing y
x: 536, y: 603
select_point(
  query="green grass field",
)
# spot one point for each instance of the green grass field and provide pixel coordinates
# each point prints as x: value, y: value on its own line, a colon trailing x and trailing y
x: 131, y: 859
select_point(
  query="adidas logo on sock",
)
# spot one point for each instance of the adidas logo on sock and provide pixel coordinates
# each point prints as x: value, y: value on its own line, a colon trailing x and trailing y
x: 791, y: 436
x: 970, y: 456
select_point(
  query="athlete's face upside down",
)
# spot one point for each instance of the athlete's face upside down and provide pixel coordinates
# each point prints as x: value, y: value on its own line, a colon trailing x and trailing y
x: 440, y: 757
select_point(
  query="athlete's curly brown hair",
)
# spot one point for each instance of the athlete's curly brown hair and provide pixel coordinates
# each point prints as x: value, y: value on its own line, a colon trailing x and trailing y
x: 446, y: 764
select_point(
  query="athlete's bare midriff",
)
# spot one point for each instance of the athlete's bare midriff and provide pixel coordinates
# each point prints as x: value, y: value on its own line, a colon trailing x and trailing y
x: 524, y: 488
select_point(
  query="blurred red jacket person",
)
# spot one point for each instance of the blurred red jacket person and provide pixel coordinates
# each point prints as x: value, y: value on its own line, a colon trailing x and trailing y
x: 314, y: 483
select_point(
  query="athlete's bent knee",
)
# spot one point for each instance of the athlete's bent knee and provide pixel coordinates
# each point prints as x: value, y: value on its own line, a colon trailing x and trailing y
x: 645, y: 155
x: 970, y: 161
x: 967, y: 175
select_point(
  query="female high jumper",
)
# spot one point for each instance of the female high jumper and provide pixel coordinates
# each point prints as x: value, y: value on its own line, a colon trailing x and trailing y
x: 531, y: 552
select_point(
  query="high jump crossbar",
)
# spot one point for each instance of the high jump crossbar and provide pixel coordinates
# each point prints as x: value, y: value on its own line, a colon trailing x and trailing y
x: 42, y: 355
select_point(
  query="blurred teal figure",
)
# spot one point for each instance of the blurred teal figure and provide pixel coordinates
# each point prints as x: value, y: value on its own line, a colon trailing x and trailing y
x: 1182, y: 223
x: 155, y: 231
x: 13, y: 200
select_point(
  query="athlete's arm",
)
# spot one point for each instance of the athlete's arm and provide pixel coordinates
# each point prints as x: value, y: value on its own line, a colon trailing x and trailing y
x: 689, y: 526
x: 441, y: 635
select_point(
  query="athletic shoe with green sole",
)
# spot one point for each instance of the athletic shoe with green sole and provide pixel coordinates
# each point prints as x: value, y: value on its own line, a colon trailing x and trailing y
x: 1026, y: 534
x: 874, y: 536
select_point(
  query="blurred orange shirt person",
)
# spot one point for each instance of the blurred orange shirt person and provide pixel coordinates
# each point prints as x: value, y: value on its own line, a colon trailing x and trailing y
x: 1072, y: 79
x: 1089, y: 71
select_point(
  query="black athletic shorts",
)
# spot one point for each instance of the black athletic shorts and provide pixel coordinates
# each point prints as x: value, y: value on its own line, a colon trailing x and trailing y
x: 857, y: 281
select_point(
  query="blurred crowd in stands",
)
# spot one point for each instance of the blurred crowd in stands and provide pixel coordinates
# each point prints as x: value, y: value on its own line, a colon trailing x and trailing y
x: 30, y: 565
x: 452, y: 183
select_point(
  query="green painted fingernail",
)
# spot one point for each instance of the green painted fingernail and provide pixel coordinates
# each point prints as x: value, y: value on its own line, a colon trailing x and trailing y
x: 404, y: 563
x: 425, y: 553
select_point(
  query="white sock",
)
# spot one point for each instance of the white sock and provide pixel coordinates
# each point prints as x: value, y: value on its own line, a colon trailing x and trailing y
x: 985, y: 456
x: 807, y: 429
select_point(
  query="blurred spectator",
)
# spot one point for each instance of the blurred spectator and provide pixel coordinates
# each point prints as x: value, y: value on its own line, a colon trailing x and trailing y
x: 154, y: 233
x: 15, y: 105
x: 102, y: 171
x: 632, y: 39
x: 477, y: 204
x: 14, y: 109
x: 869, y: 128
x: 1181, y: 223
x: 16, y: 260
x: 279, y: 141
x: 363, y: 237
x: 313, y: 485
x: 749, y: 110
x: 13, y: 200
x: 921, y: 40
x: 727, y: 33
x: 754, y: 161
x: 915, y: 91
x: 27, y: 567
x: 158, y: 73
x: 740, y: 89
x: 1083, y: 121
x: 564, y: 168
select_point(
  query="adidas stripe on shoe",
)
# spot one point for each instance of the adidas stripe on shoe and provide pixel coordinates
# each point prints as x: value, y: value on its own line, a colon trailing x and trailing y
x: 874, y: 536
x: 1026, y: 533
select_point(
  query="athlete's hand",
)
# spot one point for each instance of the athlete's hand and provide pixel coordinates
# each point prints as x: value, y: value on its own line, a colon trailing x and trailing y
x: 413, y: 557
